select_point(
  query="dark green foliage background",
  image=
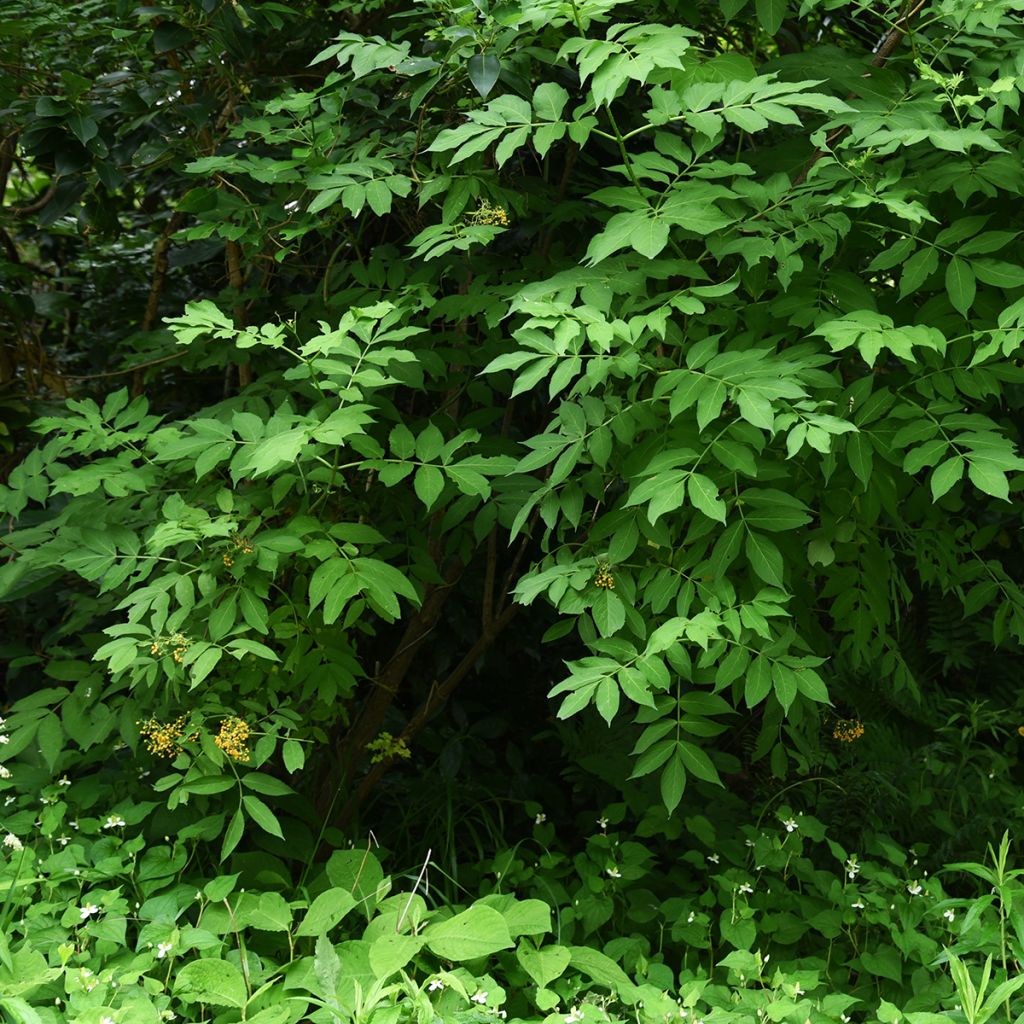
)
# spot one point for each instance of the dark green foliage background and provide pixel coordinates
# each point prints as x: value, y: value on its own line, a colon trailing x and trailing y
x: 519, y: 411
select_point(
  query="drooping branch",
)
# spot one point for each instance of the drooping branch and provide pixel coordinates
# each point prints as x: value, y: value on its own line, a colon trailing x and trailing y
x: 37, y: 204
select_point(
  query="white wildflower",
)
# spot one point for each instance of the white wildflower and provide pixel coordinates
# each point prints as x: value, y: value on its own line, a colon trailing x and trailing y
x: 791, y: 825
x: 614, y: 872
x: 480, y: 997
x: 5, y: 772
x: 692, y: 917
x: 575, y: 1014
x: 13, y: 842
x: 949, y: 915
x: 746, y: 889
x: 436, y: 984
x: 915, y: 888
x: 162, y: 949
x: 852, y: 867
x: 540, y: 819
x: 4, y: 738
x: 602, y: 823
x: 713, y: 858
x: 86, y: 911
x: 857, y: 905
x: 63, y: 781
x: 114, y: 821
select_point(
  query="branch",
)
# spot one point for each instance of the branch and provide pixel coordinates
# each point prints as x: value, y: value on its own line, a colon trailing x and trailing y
x: 389, y: 680
x: 37, y: 204
x: 233, y: 260
x: 156, y: 287
x: 437, y: 697
x: 884, y: 52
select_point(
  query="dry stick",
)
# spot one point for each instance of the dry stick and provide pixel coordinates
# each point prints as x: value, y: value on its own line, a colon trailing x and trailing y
x: 127, y: 369
x: 233, y: 259
x: 161, y: 264
x: 889, y: 44
x: 408, y: 903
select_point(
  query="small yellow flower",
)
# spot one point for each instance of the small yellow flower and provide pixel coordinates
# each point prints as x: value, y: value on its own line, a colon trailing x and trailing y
x: 848, y: 730
x: 162, y: 737
x: 485, y: 213
x: 233, y: 738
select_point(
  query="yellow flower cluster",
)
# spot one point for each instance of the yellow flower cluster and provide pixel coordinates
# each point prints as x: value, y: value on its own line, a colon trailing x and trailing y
x: 847, y: 730
x: 487, y: 214
x: 162, y: 738
x: 242, y: 544
x: 175, y: 645
x: 603, y: 578
x: 233, y: 738
x: 386, y: 746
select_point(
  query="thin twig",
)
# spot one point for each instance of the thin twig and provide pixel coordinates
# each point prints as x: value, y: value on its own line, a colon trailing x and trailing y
x: 884, y: 52
x: 408, y: 903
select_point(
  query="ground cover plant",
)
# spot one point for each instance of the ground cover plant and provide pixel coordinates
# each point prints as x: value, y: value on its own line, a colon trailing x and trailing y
x: 510, y: 510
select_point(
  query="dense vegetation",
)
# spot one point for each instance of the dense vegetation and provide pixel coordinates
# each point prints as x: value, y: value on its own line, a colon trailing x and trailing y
x: 511, y: 510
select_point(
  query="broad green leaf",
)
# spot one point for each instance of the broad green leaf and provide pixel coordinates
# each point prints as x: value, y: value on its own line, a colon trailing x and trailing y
x: 673, y: 780
x: 232, y: 835
x: 543, y: 965
x: 784, y: 682
x: 390, y: 953
x: 213, y: 981
x: 765, y: 558
x: 428, y: 484
x: 476, y: 932
x: 988, y: 477
x: 704, y: 496
x: 946, y: 475
x: 262, y: 815
x: 294, y: 755
x: 758, y: 682
x: 770, y: 14
x: 606, y: 699
x: 649, y: 237
x: 960, y: 284
x: 609, y: 612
